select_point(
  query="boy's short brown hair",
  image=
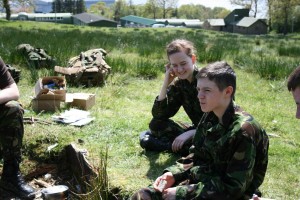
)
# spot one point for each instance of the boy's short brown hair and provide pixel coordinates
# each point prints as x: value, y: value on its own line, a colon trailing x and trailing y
x: 221, y: 73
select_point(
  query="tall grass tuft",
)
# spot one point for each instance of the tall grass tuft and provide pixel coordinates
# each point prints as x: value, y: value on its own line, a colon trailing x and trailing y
x: 149, y: 68
x: 293, y: 51
x: 266, y: 67
x: 98, y: 188
x: 135, y: 66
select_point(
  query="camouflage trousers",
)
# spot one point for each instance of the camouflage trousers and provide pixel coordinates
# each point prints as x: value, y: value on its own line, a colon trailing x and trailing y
x: 11, y: 130
x: 167, y: 129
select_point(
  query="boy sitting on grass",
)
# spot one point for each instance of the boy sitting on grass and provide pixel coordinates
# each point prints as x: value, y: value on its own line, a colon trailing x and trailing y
x: 230, y: 152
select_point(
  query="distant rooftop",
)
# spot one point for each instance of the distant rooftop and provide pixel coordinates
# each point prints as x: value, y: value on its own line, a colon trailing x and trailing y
x: 248, y: 21
x: 216, y: 22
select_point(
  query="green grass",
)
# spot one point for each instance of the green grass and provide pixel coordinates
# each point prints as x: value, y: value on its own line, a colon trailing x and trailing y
x: 123, y: 105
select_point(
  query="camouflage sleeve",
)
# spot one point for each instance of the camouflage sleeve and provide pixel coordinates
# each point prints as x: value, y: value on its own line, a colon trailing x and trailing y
x: 169, y: 106
x: 237, y: 174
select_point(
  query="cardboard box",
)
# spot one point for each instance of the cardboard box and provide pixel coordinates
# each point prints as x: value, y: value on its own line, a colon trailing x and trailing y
x: 83, y: 101
x: 46, y: 105
x: 48, y: 99
x: 49, y: 94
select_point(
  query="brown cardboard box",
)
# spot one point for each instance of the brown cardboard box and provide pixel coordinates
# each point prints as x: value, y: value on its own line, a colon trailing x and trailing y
x: 47, y: 105
x: 48, y: 99
x: 83, y: 101
x: 45, y: 93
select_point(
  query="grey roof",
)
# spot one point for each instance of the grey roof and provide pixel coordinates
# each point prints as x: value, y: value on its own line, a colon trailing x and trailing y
x: 89, y: 18
x: 178, y: 22
x: 248, y: 21
x: 236, y: 15
x: 196, y: 22
x: 216, y: 22
x: 138, y: 20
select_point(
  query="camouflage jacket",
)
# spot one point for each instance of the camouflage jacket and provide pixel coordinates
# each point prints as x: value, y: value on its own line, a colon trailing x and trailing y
x: 229, y: 161
x: 179, y: 93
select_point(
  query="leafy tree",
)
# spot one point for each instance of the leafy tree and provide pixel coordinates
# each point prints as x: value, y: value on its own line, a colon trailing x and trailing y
x: 296, y: 19
x: 219, y: 13
x: 101, y: 9
x: 141, y: 10
x: 132, y: 8
x: 282, y: 14
x: 120, y: 9
x: 151, y: 6
x: 166, y: 6
x: 80, y: 6
x: 192, y: 11
x: 69, y: 6
x: 57, y: 6
x: 175, y: 13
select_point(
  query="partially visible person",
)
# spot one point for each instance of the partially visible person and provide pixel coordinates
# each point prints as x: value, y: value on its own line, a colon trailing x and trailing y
x: 293, y: 86
x: 11, y: 135
x: 178, y: 90
x: 230, y: 154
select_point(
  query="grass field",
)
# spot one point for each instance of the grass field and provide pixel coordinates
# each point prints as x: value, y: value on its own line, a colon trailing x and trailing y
x: 123, y: 105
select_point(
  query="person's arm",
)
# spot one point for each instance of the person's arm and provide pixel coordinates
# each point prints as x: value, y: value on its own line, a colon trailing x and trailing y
x: 237, y: 171
x: 182, y: 139
x: 168, y: 102
x: 169, y: 77
x: 9, y: 93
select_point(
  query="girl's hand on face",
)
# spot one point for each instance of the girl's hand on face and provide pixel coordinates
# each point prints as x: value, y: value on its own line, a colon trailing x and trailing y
x: 170, y: 74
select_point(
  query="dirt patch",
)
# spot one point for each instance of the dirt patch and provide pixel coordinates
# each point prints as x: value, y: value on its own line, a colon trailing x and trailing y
x: 72, y: 170
x: 44, y: 175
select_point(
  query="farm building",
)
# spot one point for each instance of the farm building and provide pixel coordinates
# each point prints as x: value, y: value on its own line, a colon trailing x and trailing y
x: 238, y: 21
x: 188, y: 23
x: 214, y: 24
x: 251, y: 26
x: 64, y: 18
x: 87, y: 19
x: 193, y: 23
x: 135, y: 21
x: 170, y: 22
x: 233, y: 18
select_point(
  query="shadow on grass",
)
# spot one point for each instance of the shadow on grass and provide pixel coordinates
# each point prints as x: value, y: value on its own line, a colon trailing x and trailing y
x: 156, y: 167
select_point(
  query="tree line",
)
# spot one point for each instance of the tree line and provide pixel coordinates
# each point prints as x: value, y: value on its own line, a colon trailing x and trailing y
x: 283, y: 16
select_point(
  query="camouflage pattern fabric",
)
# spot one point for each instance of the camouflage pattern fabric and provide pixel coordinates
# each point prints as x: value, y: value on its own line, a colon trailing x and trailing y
x: 229, y: 160
x: 179, y: 93
x: 89, y: 59
x: 14, y: 72
x: 11, y: 130
x: 38, y: 56
x: 92, y: 68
